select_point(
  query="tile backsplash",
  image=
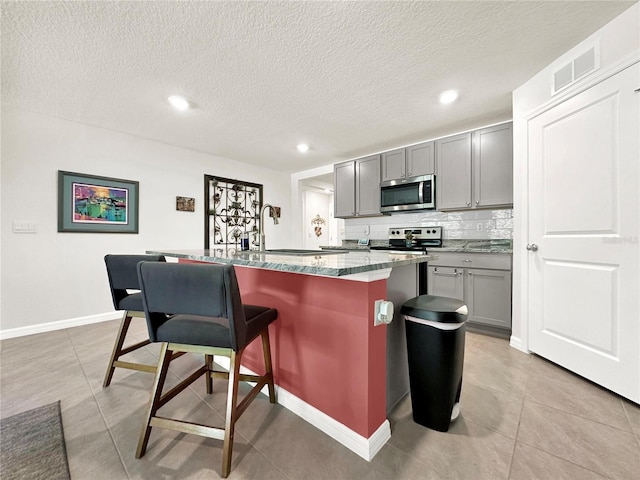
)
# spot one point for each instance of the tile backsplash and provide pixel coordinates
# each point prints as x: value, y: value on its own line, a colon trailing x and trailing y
x: 474, y: 224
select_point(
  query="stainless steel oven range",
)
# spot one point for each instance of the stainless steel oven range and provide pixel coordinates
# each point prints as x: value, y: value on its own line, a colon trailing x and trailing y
x: 414, y: 240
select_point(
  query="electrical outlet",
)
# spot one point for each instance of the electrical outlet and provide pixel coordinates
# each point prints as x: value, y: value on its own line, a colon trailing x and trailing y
x: 387, y: 310
x: 480, y: 227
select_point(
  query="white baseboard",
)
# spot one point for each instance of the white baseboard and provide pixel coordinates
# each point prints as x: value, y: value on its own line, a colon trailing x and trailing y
x: 366, y: 448
x: 59, y: 325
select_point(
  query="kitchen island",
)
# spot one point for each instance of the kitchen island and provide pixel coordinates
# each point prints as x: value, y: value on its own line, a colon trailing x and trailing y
x: 332, y: 366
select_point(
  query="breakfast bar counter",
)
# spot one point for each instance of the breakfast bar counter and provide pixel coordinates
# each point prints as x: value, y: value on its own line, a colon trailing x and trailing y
x: 330, y: 263
x: 330, y: 361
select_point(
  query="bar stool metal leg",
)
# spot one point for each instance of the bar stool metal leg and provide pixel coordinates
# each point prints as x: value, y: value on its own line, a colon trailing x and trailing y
x: 119, y: 350
x: 154, y: 401
x: 231, y: 417
x: 266, y: 351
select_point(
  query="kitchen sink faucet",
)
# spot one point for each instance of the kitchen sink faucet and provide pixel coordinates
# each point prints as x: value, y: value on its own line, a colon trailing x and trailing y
x: 275, y: 222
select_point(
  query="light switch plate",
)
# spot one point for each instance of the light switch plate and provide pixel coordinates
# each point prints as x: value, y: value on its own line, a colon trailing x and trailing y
x: 24, y: 227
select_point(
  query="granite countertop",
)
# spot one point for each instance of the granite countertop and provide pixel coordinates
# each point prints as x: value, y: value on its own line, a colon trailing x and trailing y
x: 477, y: 246
x: 504, y: 246
x: 325, y: 264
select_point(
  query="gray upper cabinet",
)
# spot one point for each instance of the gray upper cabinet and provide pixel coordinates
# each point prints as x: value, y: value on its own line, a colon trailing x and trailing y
x: 421, y: 159
x: 394, y: 164
x: 412, y: 161
x: 453, y: 172
x: 344, y: 192
x: 493, y: 166
x: 368, y: 186
x: 357, y: 187
x: 475, y: 169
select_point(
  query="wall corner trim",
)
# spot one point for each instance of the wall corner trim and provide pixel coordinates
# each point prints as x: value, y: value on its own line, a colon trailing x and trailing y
x: 516, y: 343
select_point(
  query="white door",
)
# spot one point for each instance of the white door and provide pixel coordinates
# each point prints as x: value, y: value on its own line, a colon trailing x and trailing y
x: 584, y: 209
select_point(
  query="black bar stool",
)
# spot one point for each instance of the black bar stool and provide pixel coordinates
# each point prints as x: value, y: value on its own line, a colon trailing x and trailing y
x: 197, y: 308
x: 123, y: 276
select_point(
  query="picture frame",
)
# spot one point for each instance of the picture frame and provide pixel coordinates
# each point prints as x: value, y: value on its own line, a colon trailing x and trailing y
x: 95, y: 204
x: 185, y: 204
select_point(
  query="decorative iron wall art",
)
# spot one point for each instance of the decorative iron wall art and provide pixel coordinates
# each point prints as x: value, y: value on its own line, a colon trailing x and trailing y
x: 233, y: 208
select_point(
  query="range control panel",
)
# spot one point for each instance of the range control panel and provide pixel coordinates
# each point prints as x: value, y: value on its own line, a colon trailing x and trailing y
x: 422, y: 233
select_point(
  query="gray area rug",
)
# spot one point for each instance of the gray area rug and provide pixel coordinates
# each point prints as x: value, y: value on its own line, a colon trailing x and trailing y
x: 32, y: 445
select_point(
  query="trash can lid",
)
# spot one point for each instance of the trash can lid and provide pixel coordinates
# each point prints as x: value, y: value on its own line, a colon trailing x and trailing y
x: 436, y: 309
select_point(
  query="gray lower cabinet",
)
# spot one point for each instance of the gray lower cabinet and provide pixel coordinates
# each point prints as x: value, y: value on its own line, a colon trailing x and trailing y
x: 357, y: 187
x: 446, y: 282
x: 486, y: 289
x: 489, y: 297
x: 412, y: 161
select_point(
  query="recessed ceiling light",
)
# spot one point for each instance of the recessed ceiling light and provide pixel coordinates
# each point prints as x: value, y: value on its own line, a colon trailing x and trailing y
x: 303, y: 147
x: 178, y: 102
x: 448, y: 96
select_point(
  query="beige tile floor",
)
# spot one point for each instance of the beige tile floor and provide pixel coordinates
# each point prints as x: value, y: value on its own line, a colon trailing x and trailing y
x: 522, y: 418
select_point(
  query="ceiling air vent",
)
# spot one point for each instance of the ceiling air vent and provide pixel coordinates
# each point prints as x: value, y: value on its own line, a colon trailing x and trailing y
x: 585, y: 63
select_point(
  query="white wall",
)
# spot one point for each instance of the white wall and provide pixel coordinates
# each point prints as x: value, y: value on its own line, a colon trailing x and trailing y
x: 619, y: 43
x: 49, y: 276
x: 316, y: 203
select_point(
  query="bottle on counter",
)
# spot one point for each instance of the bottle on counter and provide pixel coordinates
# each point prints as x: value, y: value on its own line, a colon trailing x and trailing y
x: 244, y: 245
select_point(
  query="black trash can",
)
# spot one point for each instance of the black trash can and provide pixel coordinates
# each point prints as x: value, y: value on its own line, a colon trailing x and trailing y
x: 435, y: 346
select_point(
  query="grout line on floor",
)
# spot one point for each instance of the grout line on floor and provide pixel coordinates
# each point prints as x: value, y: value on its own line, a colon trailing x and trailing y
x: 104, y: 419
x: 413, y: 458
x: 524, y: 398
x: 585, y: 418
x: 584, y: 467
x: 626, y: 412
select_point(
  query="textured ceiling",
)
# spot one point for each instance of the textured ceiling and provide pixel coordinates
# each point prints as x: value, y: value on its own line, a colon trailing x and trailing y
x: 349, y: 78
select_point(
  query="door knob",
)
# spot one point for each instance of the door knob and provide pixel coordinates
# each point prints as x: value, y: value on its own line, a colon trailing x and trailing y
x: 532, y: 246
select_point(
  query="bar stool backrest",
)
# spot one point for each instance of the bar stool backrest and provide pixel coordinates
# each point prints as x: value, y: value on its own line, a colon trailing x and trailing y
x: 192, y: 289
x: 123, y: 275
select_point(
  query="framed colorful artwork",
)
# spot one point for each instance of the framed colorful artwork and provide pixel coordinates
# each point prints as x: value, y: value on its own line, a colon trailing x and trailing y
x: 93, y: 204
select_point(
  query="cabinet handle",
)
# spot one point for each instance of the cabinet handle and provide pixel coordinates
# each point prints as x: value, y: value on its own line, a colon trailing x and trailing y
x: 468, y: 204
x: 532, y: 247
x: 455, y: 274
x: 477, y: 202
x: 467, y: 261
x: 409, y: 174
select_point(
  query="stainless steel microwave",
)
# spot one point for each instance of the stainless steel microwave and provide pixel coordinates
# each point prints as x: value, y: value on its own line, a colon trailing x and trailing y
x: 413, y: 193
